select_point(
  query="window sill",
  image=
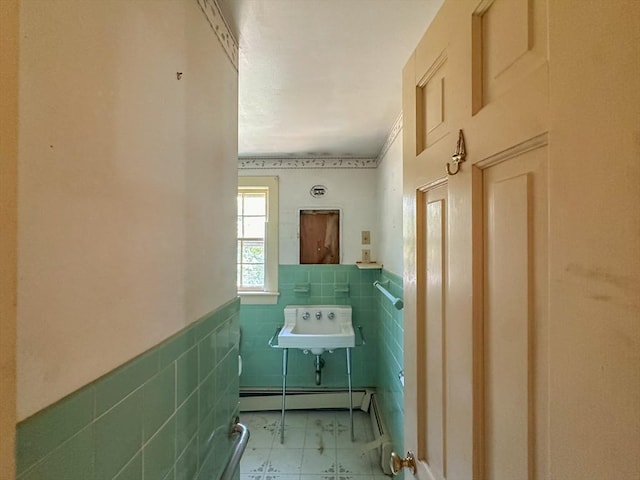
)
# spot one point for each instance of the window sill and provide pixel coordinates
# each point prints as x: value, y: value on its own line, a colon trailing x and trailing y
x: 258, y: 298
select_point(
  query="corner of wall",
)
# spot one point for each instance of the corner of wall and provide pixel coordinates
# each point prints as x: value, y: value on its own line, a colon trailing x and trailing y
x: 9, y: 25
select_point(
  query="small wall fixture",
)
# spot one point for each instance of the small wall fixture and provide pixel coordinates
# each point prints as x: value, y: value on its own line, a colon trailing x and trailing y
x: 318, y: 191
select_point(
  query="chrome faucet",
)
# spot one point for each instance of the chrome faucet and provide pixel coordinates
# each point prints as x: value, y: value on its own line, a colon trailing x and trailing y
x: 305, y: 316
x: 331, y: 315
x: 318, y: 315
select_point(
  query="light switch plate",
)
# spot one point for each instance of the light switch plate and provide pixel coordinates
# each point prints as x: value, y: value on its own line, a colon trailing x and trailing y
x: 366, y: 237
x: 366, y: 255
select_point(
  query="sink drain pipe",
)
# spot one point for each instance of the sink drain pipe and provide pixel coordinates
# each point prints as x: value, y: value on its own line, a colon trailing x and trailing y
x: 319, y: 363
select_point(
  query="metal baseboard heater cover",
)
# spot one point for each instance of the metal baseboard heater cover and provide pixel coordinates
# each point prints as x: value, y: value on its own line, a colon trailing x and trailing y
x: 265, y: 400
x: 381, y: 434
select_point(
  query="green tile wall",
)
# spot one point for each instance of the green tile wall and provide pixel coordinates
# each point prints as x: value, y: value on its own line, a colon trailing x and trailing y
x: 391, y: 348
x: 164, y: 415
x: 262, y: 365
x: 374, y: 365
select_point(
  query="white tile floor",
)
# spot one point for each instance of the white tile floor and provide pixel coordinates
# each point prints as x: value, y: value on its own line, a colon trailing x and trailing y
x: 317, y: 446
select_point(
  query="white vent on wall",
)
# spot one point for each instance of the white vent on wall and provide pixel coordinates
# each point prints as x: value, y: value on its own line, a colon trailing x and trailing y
x: 318, y: 191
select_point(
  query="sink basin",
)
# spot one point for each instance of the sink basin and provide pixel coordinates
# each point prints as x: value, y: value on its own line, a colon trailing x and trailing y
x: 317, y: 328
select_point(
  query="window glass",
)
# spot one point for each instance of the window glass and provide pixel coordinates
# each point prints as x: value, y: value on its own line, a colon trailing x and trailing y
x: 255, y: 204
x: 252, y: 209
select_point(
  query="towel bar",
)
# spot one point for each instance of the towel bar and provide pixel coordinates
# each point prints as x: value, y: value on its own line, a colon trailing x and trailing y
x: 397, y: 302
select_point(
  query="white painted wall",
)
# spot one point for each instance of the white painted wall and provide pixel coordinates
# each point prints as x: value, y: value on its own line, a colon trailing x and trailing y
x: 351, y: 190
x: 371, y: 199
x: 389, y: 207
x: 127, y: 185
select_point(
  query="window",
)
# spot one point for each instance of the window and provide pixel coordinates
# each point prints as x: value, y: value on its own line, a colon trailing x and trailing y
x: 252, y: 219
x: 257, y: 257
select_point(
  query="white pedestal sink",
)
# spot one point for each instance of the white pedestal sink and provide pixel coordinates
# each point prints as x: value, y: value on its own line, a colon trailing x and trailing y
x: 317, y: 328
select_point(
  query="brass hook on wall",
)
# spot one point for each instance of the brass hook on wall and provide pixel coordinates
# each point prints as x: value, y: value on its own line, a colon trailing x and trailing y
x: 458, y: 156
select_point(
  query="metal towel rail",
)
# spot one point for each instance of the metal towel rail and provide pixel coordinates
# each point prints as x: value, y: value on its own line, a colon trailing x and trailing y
x: 238, y: 449
x: 397, y: 302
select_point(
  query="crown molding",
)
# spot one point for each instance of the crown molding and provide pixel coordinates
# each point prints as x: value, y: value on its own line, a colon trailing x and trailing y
x: 395, y: 130
x: 220, y: 27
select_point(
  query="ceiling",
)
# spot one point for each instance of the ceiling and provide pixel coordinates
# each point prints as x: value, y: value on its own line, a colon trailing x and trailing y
x: 322, y: 78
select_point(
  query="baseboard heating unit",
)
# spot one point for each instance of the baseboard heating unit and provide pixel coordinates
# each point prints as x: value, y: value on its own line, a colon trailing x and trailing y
x: 381, y: 434
x: 256, y: 400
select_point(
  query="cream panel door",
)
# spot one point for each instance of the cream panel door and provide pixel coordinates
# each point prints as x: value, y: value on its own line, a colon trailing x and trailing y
x: 534, y: 293
x: 476, y: 382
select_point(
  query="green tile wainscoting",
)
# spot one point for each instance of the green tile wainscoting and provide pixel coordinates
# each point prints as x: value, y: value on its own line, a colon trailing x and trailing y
x: 262, y: 365
x: 374, y: 365
x: 391, y: 348
x: 165, y: 415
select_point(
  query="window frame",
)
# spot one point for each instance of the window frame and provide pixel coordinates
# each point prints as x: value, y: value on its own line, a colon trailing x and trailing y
x: 269, y: 294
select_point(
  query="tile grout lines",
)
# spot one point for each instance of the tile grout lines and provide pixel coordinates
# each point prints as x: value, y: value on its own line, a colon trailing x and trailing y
x: 317, y: 447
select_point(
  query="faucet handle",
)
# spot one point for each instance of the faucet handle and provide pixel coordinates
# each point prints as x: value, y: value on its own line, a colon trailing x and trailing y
x: 331, y: 315
x: 305, y: 316
x: 318, y: 315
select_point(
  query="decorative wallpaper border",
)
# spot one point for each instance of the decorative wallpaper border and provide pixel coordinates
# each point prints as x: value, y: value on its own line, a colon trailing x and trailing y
x: 212, y: 12
x: 247, y: 163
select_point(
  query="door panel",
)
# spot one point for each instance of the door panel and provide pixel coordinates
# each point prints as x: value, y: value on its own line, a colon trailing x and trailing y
x: 432, y: 415
x: 515, y: 343
x: 509, y: 42
x: 506, y: 330
x: 431, y: 105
